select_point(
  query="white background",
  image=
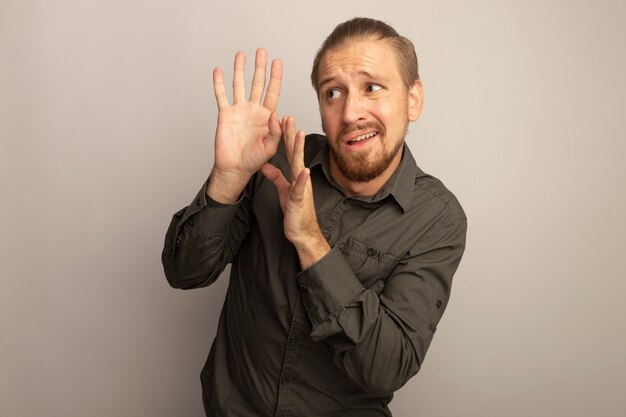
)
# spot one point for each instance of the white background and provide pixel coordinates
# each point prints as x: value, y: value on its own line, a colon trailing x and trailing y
x: 107, y: 119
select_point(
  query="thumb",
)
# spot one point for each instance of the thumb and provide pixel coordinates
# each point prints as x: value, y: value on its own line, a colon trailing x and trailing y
x: 276, y: 176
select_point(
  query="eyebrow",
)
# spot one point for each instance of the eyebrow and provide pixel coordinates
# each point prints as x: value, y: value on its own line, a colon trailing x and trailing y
x: 361, y: 72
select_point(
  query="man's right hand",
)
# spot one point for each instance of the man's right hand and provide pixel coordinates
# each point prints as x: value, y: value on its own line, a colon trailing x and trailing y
x: 248, y: 132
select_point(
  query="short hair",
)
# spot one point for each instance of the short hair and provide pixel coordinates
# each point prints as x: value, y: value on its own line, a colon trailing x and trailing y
x: 362, y: 28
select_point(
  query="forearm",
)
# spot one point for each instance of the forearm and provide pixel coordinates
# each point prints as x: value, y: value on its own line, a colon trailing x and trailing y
x: 380, y: 353
x: 379, y: 335
x: 202, y: 239
x: 368, y: 342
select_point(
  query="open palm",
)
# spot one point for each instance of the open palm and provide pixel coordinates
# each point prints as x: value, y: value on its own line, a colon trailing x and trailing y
x: 248, y: 132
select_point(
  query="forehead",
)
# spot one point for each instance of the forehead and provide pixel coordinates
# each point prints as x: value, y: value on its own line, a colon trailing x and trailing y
x: 358, y: 56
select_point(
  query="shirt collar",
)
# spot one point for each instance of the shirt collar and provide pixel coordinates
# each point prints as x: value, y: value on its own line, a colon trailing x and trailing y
x: 399, y: 186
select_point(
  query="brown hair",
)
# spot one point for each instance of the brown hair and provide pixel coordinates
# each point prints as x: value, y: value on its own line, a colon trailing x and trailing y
x: 361, y: 28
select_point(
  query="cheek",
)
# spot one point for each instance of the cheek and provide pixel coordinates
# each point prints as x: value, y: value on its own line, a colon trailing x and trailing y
x: 329, y: 121
x: 384, y: 114
x: 391, y: 115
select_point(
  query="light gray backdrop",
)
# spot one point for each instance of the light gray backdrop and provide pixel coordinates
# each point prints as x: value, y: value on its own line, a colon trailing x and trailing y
x: 107, y: 119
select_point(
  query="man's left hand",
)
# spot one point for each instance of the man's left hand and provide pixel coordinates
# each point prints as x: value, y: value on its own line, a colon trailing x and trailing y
x: 296, y: 198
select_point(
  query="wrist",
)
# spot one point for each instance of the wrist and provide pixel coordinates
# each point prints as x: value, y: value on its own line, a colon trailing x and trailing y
x: 311, y: 249
x: 226, y: 187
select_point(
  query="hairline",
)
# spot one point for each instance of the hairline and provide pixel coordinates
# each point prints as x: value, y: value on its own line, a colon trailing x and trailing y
x: 375, y: 36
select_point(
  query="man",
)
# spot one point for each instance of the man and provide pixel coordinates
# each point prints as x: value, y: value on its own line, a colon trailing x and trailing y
x: 342, y: 249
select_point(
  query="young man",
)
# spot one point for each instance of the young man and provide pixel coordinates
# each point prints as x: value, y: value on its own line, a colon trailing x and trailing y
x: 342, y: 249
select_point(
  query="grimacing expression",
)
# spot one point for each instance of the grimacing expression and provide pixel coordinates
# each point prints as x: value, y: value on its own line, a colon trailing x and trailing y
x: 365, y: 108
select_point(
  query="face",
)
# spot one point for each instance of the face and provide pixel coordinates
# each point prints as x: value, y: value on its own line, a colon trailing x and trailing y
x: 365, y: 108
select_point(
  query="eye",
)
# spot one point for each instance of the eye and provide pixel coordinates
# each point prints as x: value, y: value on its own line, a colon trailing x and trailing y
x: 372, y: 88
x: 333, y: 93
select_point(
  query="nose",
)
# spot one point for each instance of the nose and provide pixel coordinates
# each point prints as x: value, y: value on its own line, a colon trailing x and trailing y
x: 353, y: 109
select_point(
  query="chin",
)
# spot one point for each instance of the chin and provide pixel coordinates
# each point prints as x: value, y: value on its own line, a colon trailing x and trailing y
x: 358, y: 168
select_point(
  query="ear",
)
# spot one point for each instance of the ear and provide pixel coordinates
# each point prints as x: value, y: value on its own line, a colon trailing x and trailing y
x: 415, y: 100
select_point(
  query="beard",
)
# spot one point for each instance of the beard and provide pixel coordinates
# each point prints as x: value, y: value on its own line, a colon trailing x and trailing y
x: 363, y: 167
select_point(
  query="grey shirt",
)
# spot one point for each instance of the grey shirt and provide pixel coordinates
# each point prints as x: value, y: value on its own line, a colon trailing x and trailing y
x: 338, y: 338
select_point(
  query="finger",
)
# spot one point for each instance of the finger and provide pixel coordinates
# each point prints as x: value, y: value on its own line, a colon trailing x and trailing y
x: 273, y: 137
x: 297, y: 191
x: 289, y: 134
x: 258, y: 80
x: 273, y: 89
x: 276, y: 176
x: 239, y: 78
x: 219, y: 89
x: 283, y: 123
x: 283, y: 126
x: 298, y: 152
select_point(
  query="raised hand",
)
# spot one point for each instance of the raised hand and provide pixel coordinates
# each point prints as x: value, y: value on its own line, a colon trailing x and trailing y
x: 248, y: 131
x: 296, y: 198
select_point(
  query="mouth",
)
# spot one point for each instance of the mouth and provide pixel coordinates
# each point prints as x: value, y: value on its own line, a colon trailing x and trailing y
x: 356, y: 140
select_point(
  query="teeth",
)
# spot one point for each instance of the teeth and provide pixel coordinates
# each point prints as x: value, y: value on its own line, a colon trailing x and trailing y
x: 362, y: 137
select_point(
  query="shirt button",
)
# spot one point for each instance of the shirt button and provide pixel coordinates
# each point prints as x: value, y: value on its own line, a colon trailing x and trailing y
x: 346, y: 201
x: 371, y: 252
x: 284, y: 381
x: 198, y: 202
x: 304, y: 288
x: 439, y: 303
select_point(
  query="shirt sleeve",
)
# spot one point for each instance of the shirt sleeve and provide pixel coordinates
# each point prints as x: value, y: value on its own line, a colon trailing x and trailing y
x: 379, y: 339
x: 203, y: 238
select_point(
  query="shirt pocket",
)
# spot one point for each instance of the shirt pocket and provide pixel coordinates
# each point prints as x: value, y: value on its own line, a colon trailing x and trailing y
x: 370, y: 264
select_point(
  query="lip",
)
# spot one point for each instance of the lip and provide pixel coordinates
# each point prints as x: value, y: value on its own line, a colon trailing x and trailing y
x: 353, y: 135
x: 361, y: 145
